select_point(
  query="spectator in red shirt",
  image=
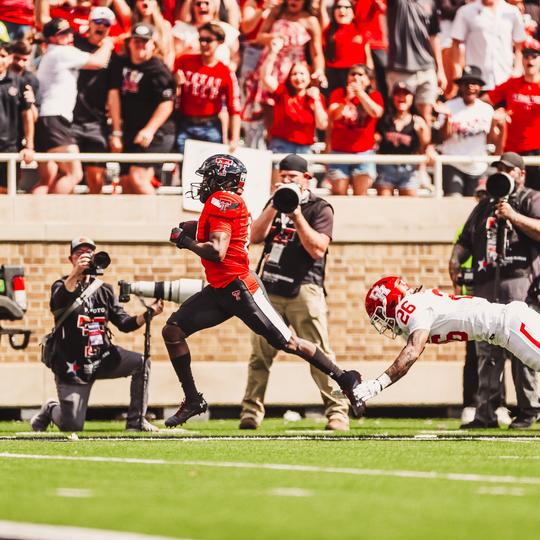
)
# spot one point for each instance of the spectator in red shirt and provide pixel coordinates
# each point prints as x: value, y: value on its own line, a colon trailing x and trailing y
x: 343, y: 45
x: 204, y: 84
x: 520, y: 97
x: 371, y: 20
x: 353, y: 114
x: 299, y: 108
x: 18, y: 17
x: 77, y: 13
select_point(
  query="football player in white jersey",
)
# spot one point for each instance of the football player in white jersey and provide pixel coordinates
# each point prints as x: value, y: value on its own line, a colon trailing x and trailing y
x: 431, y: 316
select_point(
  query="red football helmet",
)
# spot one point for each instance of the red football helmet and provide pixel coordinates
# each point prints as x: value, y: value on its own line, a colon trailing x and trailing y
x: 381, y: 302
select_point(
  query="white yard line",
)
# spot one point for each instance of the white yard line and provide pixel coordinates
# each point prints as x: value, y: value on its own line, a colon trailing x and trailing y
x: 425, y: 475
x: 192, y: 437
x: 31, y: 531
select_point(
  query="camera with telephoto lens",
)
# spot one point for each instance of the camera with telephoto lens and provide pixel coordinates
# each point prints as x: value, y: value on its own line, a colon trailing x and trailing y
x: 98, y: 263
x: 286, y: 198
x: 177, y: 291
x: 500, y: 185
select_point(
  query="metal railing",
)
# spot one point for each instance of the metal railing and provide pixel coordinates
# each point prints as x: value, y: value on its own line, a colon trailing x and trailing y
x: 346, y: 159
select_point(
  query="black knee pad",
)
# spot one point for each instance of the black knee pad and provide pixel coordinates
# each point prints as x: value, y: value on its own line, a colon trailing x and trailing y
x: 172, y: 334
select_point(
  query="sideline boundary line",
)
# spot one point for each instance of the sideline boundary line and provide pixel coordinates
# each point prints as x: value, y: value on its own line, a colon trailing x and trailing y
x: 421, y: 437
x: 410, y: 474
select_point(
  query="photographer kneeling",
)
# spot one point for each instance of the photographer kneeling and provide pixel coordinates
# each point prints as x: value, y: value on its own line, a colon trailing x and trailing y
x: 83, y: 306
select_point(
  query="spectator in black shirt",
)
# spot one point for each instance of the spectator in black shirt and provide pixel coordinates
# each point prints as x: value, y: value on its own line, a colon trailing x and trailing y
x: 146, y: 91
x: 89, y: 128
x: 16, y: 101
x: 21, y: 52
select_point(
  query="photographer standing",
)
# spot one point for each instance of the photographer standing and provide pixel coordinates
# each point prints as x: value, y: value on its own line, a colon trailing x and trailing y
x: 84, y: 351
x: 292, y: 270
x: 504, y: 271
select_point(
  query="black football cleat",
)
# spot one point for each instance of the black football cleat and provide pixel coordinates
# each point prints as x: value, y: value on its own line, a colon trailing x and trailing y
x: 187, y: 410
x: 348, y: 381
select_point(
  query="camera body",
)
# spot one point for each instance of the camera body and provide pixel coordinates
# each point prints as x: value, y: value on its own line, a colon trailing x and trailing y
x: 98, y: 263
x: 287, y: 198
x: 177, y: 291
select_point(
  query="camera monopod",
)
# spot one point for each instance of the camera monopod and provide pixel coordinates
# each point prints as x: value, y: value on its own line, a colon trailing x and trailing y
x: 500, y: 185
x: 148, y: 314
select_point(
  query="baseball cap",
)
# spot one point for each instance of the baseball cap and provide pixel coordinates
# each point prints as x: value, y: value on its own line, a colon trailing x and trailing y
x: 530, y: 50
x: 293, y: 162
x: 471, y: 74
x: 82, y: 241
x: 402, y: 85
x: 142, y: 31
x: 102, y: 13
x: 511, y: 159
x: 55, y: 27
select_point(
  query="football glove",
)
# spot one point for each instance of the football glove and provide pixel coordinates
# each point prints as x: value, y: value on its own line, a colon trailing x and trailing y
x: 179, y: 237
x: 368, y: 389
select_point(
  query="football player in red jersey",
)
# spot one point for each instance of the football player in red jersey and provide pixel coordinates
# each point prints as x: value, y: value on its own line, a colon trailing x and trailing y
x: 221, y: 241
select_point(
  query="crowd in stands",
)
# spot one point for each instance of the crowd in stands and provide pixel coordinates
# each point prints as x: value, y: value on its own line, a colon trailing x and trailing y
x: 404, y: 77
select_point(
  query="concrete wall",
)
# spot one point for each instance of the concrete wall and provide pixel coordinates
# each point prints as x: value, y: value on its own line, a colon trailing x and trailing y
x: 373, y: 237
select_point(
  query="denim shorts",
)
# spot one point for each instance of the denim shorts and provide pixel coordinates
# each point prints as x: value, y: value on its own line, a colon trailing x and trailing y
x: 281, y: 146
x: 398, y: 176
x: 340, y: 172
x: 210, y: 132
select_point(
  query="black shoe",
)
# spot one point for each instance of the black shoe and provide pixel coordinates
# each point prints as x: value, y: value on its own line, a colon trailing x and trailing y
x: 477, y: 424
x: 187, y: 410
x: 42, y: 420
x: 348, y: 381
x: 522, y: 422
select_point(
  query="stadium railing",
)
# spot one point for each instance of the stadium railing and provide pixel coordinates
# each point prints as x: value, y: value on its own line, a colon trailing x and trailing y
x: 323, y: 159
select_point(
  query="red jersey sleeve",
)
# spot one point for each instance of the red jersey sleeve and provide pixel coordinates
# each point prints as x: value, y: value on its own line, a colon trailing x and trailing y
x: 499, y: 93
x: 232, y: 91
x: 225, y: 206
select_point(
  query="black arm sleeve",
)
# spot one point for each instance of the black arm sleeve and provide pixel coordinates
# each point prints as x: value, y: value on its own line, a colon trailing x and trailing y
x: 117, y: 314
x: 61, y: 298
x: 466, y: 238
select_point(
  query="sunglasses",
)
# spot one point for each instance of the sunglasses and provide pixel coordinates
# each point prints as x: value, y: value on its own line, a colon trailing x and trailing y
x: 206, y: 39
x: 102, y: 22
x: 342, y: 6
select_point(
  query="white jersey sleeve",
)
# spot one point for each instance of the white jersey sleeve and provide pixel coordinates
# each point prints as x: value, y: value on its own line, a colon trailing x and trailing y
x: 414, y: 313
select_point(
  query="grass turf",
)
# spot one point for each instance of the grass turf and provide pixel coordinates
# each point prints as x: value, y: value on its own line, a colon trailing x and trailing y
x: 187, y: 492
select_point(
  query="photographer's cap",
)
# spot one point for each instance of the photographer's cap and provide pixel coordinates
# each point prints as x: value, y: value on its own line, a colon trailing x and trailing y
x: 143, y: 31
x: 80, y: 241
x: 511, y: 159
x: 293, y: 162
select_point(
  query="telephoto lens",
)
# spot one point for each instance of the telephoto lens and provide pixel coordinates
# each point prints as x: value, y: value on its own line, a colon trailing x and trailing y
x: 286, y: 198
x: 500, y: 185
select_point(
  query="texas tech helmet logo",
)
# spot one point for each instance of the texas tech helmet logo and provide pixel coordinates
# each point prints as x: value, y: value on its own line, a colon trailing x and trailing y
x: 223, y: 164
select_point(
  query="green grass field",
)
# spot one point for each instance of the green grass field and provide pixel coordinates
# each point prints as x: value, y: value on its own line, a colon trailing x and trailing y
x: 385, y: 479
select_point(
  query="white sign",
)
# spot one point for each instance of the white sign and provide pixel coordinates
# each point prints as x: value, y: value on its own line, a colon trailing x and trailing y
x: 259, y: 171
